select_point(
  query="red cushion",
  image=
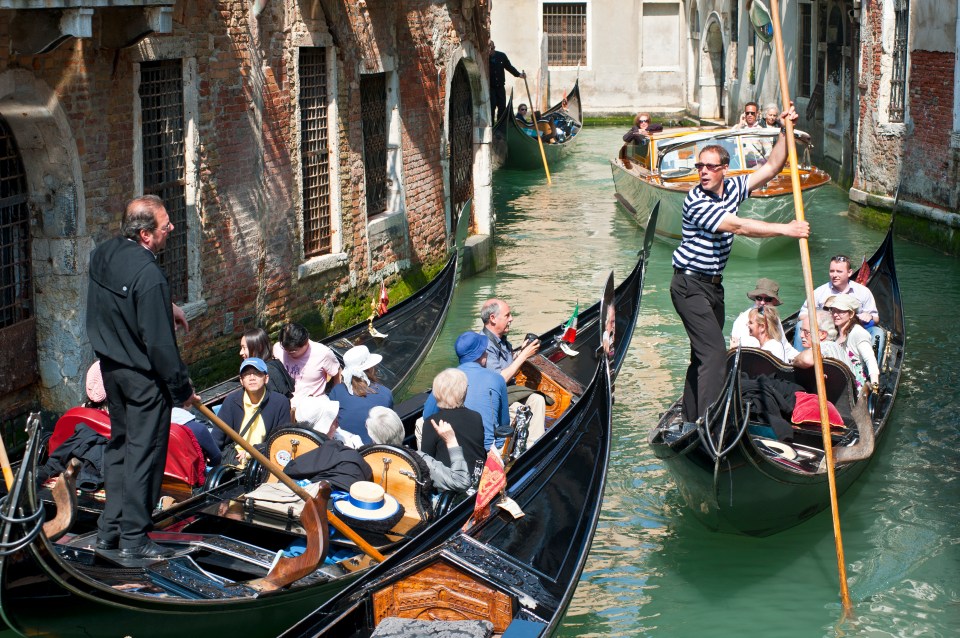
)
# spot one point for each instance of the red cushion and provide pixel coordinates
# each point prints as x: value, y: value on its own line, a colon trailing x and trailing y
x: 807, y: 410
x: 184, y: 456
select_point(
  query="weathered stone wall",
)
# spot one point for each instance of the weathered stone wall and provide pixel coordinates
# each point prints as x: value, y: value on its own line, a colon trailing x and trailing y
x: 249, y: 268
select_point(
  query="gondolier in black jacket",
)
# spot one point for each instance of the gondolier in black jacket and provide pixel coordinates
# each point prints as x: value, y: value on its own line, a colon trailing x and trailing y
x: 130, y: 322
x: 709, y: 223
x: 498, y: 95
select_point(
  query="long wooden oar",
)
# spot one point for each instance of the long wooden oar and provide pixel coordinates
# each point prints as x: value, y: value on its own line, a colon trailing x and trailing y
x: 774, y: 17
x: 5, y: 466
x: 274, y: 469
x: 536, y: 129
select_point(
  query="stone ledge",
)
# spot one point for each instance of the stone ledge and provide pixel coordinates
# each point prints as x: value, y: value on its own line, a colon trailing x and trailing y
x: 320, y: 265
x: 923, y: 211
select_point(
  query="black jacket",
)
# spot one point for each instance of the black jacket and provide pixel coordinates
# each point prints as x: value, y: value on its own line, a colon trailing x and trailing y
x: 498, y: 62
x: 334, y: 462
x: 130, y: 317
x: 275, y: 414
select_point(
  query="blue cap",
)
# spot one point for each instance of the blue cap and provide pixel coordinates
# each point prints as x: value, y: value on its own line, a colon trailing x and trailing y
x: 256, y: 362
x: 470, y: 346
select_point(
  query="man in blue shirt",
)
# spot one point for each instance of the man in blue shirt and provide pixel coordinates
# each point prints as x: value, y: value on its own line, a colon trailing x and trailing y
x: 709, y: 223
x: 486, y: 389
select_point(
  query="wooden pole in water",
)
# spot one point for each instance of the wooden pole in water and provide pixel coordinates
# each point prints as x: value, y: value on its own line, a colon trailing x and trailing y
x: 811, y: 310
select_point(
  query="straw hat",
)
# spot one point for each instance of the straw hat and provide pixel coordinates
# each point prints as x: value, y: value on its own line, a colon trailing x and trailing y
x: 843, y: 302
x: 319, y: 412
x: 369, y: 504
x: 355, y: 361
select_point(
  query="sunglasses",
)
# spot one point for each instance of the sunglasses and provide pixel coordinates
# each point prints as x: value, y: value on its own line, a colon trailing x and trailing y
x: 710, y: 167
x: 643, y: 121
x: 840, y: 259
x: 749, y: 112
x: 522, y: 110
x: 836, y: 310
x: 764, y: 298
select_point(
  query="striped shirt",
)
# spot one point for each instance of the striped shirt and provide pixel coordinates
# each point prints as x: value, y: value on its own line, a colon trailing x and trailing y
x: 703, y: 248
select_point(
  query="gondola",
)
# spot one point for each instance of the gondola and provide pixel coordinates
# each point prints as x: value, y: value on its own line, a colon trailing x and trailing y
x: 516, y: 147
x: 518, y: 574
x: 736, y: 477
x: 224, y: 542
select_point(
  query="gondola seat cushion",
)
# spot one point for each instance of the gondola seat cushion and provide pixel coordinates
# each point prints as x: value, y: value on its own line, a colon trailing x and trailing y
x: 184, y: 456
x: 807, y: 410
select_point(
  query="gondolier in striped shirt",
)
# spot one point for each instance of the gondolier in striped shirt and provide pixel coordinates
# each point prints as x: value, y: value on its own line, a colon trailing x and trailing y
x: 710, y: 222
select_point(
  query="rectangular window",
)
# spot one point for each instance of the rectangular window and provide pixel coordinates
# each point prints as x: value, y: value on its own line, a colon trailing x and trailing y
x: 565, y: 26
x: 901, y: 14
x: 807, y: 51
x: 373, y: 114
x: 16, y: 287
x: 314, y: 151
x: 164, y: 164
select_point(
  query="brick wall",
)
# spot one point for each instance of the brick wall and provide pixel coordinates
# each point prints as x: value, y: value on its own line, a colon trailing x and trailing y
x: 250, y: 236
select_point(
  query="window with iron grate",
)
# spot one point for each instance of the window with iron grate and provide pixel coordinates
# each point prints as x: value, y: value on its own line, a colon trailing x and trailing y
x: 898, y: 83
x: 16, y: 286
x: 164, y: 162
x: 565, y: 26
x: 314, y: 151
x: 807, y: 51
x: 373, y: 112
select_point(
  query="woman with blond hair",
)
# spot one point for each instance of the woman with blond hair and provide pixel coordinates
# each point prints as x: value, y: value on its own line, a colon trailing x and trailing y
x: 450, y: 391
x: 764, y: 326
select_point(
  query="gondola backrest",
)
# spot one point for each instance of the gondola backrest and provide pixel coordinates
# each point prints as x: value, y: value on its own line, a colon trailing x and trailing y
x: 403, y: 475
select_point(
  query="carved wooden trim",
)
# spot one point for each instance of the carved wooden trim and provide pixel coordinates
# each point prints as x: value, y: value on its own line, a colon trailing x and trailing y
x: 442, y: 592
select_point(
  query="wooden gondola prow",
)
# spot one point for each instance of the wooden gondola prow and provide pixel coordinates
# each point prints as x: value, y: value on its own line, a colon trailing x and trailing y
x: 274, y: 469
x: 774, y: 20
x: 536, y: 129
x: 863, y: 449
x: 65, y: 497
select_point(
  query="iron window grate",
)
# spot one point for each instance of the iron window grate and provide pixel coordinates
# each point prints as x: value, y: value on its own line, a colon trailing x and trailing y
x: 373, y: 112
x: 164, y: 163
x: 16, y: 287
x: 565, y: 25
x: 314, y: 151
x: 898, y: 83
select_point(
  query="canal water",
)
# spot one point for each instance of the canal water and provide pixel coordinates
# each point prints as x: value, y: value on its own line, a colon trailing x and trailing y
x: 653, y: 570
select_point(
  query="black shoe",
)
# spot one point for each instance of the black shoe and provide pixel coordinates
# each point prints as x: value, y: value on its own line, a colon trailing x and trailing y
x: 105, y: 545
x: 147, y: 550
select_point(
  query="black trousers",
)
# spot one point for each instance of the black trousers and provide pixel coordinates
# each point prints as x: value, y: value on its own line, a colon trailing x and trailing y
x: 133, y: 464
x: 701, y: 309
x: 498, y: 101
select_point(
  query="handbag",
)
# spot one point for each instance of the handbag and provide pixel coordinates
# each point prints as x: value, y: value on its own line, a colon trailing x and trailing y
x: 230, y: 455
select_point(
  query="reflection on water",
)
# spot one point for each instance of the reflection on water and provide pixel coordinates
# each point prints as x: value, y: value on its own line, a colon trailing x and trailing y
x: 655, y: 571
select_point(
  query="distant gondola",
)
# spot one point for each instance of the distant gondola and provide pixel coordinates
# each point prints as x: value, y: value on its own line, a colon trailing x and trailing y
x: 223, y: 543
x: 736, y: 477
x: 515, y: 146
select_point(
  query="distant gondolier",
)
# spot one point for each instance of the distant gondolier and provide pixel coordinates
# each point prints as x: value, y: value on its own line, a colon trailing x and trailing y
x: 130, y: 322
x: 498, y: 95
x: 709, y: 223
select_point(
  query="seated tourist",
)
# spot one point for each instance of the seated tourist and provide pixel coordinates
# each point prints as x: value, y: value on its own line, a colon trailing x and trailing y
x: 828, y: 347
x: 522, y: 115
x: 359, y: 391
x: 385, y: 427
x: 642, y: 128
x: 841, y: 269
x: 854, y: 339
x: 450, y: 391
x: 252, y: 411
x: 766, y: 333
x: 256, y: 343
x: 311, y: 365
x: 765, y: 294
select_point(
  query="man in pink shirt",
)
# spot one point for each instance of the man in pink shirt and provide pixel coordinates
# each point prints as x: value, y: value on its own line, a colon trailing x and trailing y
x: 310, y: 364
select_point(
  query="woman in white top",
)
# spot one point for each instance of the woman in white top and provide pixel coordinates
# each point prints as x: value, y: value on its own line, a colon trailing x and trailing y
x: 764, y: 326
x: 854, y: 338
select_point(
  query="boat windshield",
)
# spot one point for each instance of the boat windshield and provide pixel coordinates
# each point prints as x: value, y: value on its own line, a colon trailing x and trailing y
x: 679, y: 162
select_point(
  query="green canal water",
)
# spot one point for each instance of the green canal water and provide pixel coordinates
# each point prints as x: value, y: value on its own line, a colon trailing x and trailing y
x: 653, y: 570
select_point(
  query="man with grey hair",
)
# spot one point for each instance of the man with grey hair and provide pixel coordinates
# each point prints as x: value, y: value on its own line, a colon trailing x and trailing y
x: 131, y: 324
x: 497, y: 319
x: 828, y: 347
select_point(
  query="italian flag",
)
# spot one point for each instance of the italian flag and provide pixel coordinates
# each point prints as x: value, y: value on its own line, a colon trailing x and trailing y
x: 570, y: 328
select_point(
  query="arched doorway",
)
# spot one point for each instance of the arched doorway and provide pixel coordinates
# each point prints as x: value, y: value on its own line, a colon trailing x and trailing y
x: 461, y: 143
x: 712, y: 72
x: 836, y: 90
